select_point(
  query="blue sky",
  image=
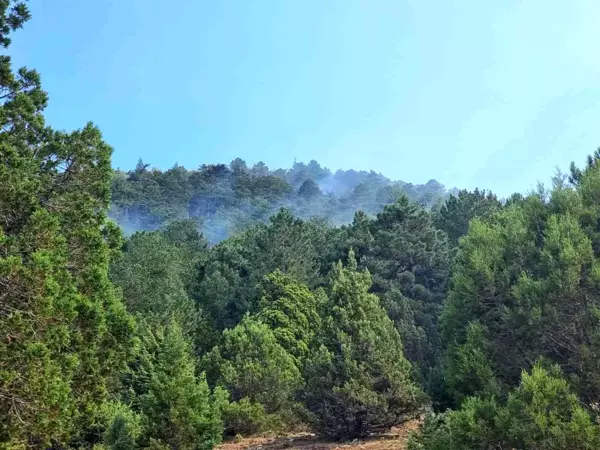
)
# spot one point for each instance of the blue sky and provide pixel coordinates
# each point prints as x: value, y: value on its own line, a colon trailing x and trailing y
x: 471, y: 93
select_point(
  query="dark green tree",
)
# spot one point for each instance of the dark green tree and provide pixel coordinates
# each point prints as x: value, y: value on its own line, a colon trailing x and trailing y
x: 409, y: 261
x: 576, y: 174
x: 456, y: 213
x: 309, y: 189
x: 152, y: 275
x: 357, y: 380
x: 185, y: 235
x: 251, y: 364
x: 292, y: 246
x: 227, y: 280
x: 124, y: 427
x: 229, y: 277
x: 178, y: 410
x: 227, y: 199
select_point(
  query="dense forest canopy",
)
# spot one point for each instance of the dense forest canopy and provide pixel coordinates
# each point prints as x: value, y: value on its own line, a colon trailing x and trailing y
x: 226, y: 199
x: 255, y: 301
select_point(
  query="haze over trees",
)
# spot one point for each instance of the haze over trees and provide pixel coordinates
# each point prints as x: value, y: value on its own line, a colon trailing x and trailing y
x: 226, y: 199
x: 254, y: 301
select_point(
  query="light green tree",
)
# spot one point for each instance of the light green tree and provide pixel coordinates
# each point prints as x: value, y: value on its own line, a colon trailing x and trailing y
x: 291, y: 311
x: 65, y: 333
x: 529, y: 278
x: 255, y: 369
x: 541, y: 413
x: 152, y: 274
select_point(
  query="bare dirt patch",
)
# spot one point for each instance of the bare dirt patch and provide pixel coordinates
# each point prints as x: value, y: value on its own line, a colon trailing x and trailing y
x: 396, y: 439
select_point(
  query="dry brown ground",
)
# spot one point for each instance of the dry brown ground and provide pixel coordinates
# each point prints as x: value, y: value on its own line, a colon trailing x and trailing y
x: 394, y: 440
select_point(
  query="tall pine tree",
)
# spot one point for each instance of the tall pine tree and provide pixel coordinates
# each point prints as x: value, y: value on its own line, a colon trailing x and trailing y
x: 65, y: 334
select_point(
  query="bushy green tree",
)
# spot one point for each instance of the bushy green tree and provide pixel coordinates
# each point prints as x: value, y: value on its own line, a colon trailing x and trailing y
x: 528, y: 277
x: 291, y: 311
x: 357, y: 380
x: 65, y: 333
x: 227, y: 281
x: 193, y: 247
x: 229, y: 277
x: 230, y: 198
x: 309, y: 189
x: 152, y: 274
x: 123, y: 427
x: 408, y: 251
x: 541, y: 413
x: 178, y: 409
x: 252, y: 366
x: 468, y: 368
x: 409, y: 261
x: 291, y: 245
x: 454, y: 215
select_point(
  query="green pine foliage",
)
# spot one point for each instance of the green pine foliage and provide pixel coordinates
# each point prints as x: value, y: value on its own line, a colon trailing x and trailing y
x: 260, y: 375
x: 230, y: 198
x: 409, y: 261
x: 178, y: 410
x: 309, y: 189
x: 541, y: 413
x: 454, y: 216
x: 124, y: 427
x: 229, y: 278
x: 291, y: 311
x: 524, y: 287
x: 357, y: 380
x: 245, y: 418
x: 65, y: 333
x: 528, y: 277
x: 153, y: 275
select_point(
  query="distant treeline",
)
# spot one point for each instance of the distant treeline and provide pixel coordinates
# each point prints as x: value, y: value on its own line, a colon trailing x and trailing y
x: 226, y: 199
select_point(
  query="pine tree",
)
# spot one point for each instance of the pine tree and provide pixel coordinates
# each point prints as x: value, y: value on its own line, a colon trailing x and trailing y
x: 409, y: 261
x: 309, y: 189
x: 456, y: 213
x: 357, y: 379
x: 292, y: 313
x: 528, y: 278
x: 178, y: 410
x: 541, y: 413
x: 124, y: 427
x: 152, y: 274
x: 251, y: 364
x: 229, y: 277
x: 66, y: 335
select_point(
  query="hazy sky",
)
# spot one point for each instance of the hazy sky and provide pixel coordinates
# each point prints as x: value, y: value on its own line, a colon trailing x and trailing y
x: 471, y: 93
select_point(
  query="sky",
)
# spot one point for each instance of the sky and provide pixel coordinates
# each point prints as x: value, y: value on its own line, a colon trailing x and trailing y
x: 471, y: 93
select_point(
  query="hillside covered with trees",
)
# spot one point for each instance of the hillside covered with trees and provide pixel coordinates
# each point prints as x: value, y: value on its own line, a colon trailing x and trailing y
x: 226, y: 199
x: 346, y: 310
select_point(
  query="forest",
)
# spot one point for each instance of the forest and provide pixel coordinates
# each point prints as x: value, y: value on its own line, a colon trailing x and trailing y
x: 227, y: 199
x: 177, y: 309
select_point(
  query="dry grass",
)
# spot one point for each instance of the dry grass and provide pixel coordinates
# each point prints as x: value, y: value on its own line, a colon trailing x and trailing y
x: 394, y: 440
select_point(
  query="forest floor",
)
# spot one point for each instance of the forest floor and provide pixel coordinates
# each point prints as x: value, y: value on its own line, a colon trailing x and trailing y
x: 396, y: 439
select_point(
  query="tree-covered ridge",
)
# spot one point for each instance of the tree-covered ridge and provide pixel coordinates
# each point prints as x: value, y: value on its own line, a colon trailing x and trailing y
x: 226, y: 199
